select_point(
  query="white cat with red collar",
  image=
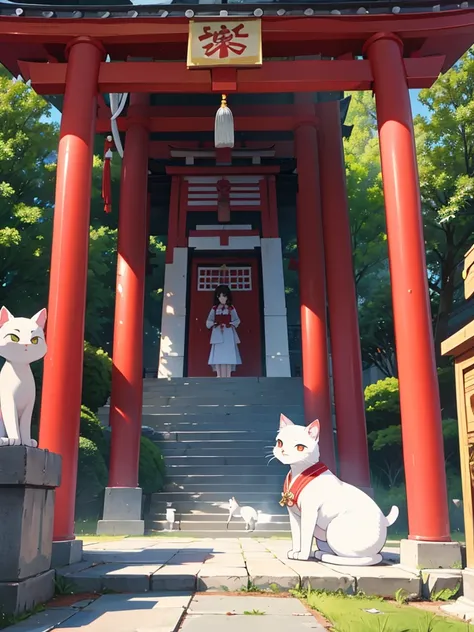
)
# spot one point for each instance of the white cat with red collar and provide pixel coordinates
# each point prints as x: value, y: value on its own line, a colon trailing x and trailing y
x: 349, y: 527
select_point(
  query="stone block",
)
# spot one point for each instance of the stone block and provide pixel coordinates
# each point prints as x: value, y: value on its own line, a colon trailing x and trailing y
x: 66, y: 553
x: 445, y: 583
x: 222, y: 604
x: 140, y: 601
x: 462, y: 608
x: 382, y: 581
x: 116, y: 577
x: 18, y: 597
x: 158, y: 620
x: 20, y: 465
x: 121, y: 527
x: 320, y: 577
x: 420, y: 555
x: 44, y: 621
x: 468, y: 583
x: 27, y: 480
x: 222, y: 578
x: 265, y: 574
x: 176, y: 577
x: 123, y: 503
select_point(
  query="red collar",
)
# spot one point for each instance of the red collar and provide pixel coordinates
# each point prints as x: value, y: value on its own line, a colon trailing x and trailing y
x: 291, y: 493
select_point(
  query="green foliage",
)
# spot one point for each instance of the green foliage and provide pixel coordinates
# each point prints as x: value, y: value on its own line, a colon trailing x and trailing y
x: 152, y: 471
x: 365, y: 195
x: 446, y: 166
x: 382, y: 404
x: 97, y: 377
x: 91, y: 477
x: 27, y: 151
x: 92, y: 429
x: 384, y: 434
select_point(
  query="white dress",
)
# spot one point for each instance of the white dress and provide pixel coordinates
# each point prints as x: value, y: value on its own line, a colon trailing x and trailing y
x: 224, y: 340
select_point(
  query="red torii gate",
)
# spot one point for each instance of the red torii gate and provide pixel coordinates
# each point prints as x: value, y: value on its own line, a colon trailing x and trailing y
x: 400, y: 51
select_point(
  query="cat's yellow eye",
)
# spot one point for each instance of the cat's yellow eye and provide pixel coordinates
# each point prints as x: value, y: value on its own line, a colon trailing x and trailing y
x: 14, y: 338
x: 300, y: 447
x: 279, y: 443
x: 34, y: 340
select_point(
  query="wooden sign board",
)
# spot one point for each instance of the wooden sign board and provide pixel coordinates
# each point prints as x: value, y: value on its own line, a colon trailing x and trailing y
x: 468, y: 273
x: 224, y: 43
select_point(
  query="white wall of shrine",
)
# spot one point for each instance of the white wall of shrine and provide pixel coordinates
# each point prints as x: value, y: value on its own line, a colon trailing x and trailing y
x: 173, y: 320
x: 173, y: 327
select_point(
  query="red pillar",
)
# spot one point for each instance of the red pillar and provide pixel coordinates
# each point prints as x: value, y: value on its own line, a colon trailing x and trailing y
x: 419, y: 393
x: 353, y: 455
x: 62, y: 381
x: 317, y: 400
x: 127, y: 370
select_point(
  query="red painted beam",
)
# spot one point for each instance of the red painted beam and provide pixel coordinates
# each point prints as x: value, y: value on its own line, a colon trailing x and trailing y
x: 159, y: 31
x: 161, y: 149
x: 254, y: 170
x: 273, y: 76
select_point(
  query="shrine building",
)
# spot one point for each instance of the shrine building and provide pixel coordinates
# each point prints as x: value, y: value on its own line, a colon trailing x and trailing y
x: 230, y: 119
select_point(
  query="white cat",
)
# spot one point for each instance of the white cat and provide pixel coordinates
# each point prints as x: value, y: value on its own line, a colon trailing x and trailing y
x: 249, y: 514
x: 349, y: 527
x: 170, y: 516
x: 21, y: 343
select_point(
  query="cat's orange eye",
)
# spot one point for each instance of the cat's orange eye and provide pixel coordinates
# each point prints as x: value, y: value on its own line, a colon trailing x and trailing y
x: 300, y: 447
x: 34, y: 340
x: 14, y: 338
x: 279, y: 443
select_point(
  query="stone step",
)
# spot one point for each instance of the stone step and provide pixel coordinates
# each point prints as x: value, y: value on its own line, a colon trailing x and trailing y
x: 195, y: 516
x: 245, y: 397
x: 178, y: 496
x: 210, y: 410
x: 201, y: 527
x: 195, y: 507
x: 221, y: 443
x: 243, y: 421
x: 213, y: 435
x: 215, y: 460
x: 230, y: 487
x: 175, y: 449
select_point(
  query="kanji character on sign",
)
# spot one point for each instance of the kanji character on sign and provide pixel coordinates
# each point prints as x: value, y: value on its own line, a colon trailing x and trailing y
x: 222, y: 41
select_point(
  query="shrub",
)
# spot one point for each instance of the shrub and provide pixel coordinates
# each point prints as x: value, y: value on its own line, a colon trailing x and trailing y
x: 382, y: 404
x: 152, y: 471
x: 91, y: 478
x: 97, y: 377
x: 92, y: 429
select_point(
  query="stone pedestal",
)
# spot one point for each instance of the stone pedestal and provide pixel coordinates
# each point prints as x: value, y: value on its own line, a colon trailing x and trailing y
x: 430, y: 555
x: 122, y: 512
x: 28, y: 478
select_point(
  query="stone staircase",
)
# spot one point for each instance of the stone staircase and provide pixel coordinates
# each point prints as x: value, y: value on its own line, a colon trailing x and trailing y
x: 214, y: 435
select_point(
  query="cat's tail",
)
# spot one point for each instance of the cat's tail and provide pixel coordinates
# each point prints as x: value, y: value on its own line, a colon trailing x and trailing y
x: 392, y: 516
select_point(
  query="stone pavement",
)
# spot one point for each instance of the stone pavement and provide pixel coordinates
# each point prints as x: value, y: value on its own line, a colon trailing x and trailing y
x: 137, y: 565
x: 171, y: 612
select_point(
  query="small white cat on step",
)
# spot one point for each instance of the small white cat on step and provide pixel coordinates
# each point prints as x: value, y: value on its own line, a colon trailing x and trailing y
x: 170, y: 516
x: 21, y: 343
x: 349, y: 527
x: 249, y: 514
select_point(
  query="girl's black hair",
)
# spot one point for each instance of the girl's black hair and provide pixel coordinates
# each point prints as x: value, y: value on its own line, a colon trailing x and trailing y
x: 225, y: 290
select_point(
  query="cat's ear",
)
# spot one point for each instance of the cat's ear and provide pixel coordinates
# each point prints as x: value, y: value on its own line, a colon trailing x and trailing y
x: 5, y: 316
x: 284, y: 421
x: 313, y: 429
x: 40, y: 318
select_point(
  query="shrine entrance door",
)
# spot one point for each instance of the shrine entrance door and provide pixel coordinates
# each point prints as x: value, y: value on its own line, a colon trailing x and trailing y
x: 242, y: 276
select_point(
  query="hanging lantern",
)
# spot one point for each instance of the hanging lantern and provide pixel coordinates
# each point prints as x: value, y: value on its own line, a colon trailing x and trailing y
x: 224, y: 126
x: 107, y: 176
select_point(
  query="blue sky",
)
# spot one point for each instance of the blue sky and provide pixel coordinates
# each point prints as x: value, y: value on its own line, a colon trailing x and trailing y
x: 416, y: 107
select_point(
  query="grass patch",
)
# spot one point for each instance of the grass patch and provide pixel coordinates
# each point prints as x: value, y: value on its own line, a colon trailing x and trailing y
x: 360, y: 613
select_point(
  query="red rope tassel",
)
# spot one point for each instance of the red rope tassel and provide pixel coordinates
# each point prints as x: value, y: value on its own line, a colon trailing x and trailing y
x: 107, y: 176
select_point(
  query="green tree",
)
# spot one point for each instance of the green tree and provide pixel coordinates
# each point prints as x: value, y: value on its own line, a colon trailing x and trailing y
x: 27, y: 153
x: 445, y: 146
x: 365, y: 195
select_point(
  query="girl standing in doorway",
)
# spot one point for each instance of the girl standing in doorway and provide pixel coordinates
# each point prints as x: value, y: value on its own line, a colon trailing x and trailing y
x: 223, y: 321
